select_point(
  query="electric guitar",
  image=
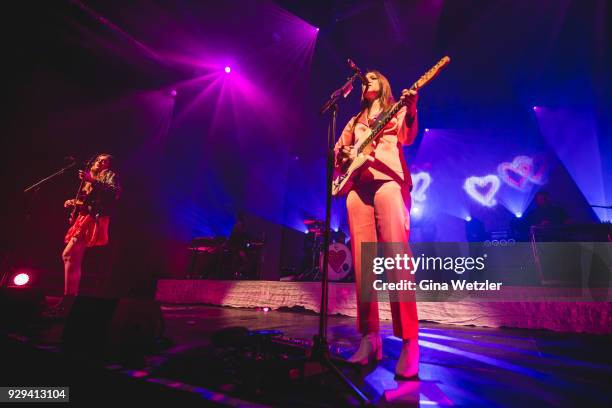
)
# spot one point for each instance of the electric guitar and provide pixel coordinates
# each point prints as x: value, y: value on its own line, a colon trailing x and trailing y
x: 343, y: 183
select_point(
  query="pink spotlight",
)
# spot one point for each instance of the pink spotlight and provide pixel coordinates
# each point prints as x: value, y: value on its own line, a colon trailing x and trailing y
x: 317, y: 29
x: 535, y: 108
x: 427, y: 129
x: 228, y: 69
x: 266, y: 309
x: 173, y: 93
x: 21, y: 279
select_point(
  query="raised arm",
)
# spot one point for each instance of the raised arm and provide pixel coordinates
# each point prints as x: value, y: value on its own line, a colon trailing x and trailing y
x: 407, y: 118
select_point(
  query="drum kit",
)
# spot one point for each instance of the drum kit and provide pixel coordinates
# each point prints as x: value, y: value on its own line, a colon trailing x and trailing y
x: 214, y: 258
x: 340, y: 258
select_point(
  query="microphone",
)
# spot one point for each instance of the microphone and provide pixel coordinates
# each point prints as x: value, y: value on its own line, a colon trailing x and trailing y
x: 357, y: 71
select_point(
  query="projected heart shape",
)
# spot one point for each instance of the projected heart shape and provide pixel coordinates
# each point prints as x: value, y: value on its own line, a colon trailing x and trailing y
x: 517, y: 173
x: 336, y: 259
x: 539, y: 170
x: 420, y: 184
x: 483, y: 189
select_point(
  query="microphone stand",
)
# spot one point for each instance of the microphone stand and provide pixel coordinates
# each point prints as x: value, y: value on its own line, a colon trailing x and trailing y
x: 320, y: 348
x: 27, y: 210
x: 37, y: 185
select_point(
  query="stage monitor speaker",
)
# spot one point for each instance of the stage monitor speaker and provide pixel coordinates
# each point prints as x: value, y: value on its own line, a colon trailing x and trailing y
x: 112, y: 327
x: 19, y: 306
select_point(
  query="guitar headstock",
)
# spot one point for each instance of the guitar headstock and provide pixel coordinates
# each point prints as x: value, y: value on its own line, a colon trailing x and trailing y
x: 432, y: 73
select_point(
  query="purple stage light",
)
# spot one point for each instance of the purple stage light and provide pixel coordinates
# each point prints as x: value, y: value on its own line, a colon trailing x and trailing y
x: 426, y: 129
x: 574, y: 136
x: 468, y: 218
x: 535, y: 108
x: 518, y: 214
x: 173, y: 93
x: 227, y: 69
x: 317, y: 29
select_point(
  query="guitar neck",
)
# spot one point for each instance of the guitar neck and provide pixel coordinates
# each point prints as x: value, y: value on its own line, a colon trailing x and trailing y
x: 380, y: 124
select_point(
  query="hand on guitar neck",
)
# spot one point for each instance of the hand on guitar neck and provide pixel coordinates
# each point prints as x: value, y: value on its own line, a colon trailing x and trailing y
x: 409, y: 98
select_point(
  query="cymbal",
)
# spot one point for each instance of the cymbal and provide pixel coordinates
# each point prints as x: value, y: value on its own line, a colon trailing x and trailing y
x: 310, y: 221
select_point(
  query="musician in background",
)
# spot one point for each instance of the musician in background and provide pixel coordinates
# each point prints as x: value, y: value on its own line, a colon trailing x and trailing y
x: 92, y: 209
x: 237, y: 245
x: 378, y: 211
x: 544, y: 213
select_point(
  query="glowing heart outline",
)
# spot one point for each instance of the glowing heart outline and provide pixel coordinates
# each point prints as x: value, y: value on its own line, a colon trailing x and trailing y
x: 539, y: 177
x: 488, y: 199
x: 521, y: 165
x: 420, y: 184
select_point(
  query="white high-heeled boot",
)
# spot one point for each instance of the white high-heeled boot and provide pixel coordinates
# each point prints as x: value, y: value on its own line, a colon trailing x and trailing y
x: 408, y: 363
x: 370, y: 349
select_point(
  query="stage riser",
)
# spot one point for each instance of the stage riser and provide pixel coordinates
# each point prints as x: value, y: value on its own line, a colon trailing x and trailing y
x: 578, y: 317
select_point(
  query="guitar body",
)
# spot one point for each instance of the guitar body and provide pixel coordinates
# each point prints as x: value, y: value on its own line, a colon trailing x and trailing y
x: 78, y: 205
x: 344, y: 182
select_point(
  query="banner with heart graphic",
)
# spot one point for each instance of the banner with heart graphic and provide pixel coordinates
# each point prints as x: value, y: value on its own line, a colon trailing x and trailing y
x: 340, y: 261
x: 483, y: 189
x: 420, y: 184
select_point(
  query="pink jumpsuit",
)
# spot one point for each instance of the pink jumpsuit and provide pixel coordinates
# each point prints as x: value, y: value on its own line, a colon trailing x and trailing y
x: 378, y: 211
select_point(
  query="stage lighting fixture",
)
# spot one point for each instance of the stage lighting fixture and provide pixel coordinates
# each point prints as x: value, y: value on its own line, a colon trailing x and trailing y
x: 21, y: 279
x: 518, y: 214
x: 228, y: 70
x: 468, y: 218
x: 20, y: 299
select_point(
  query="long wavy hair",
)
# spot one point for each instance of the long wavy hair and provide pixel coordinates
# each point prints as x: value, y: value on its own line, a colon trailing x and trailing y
x: 107, y: 175
x: 110, y: 164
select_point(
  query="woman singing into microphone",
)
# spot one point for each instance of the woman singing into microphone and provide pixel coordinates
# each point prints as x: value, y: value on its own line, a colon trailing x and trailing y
x: 378, y: 211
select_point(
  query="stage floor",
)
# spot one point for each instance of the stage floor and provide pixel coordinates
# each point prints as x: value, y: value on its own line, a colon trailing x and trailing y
x: 528, y: 311
x: 460, y: 366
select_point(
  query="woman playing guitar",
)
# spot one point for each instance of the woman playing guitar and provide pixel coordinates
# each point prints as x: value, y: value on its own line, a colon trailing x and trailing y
x: 377, y: 207
x: 90, y: 217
